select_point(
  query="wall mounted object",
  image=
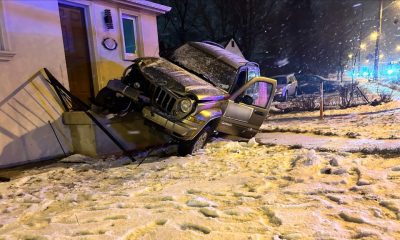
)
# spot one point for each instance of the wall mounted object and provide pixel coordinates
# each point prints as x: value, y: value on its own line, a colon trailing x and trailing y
x: 109, y: 43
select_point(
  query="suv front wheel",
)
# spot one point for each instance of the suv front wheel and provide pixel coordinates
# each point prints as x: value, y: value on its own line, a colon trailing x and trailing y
x: 192, y: 146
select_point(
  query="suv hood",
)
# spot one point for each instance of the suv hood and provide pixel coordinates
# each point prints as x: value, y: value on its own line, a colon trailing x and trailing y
x: 163, y: 73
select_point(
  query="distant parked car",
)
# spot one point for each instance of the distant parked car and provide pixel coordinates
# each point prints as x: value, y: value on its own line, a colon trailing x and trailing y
x: 309, y: 84
x: 287, y: 87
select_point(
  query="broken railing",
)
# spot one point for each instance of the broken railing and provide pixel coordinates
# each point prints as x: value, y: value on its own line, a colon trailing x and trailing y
x: 346, y: 96
x: 73, y: 103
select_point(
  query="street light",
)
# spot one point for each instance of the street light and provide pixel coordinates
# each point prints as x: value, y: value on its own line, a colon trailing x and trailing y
x: 357, y: 5
x: 378, y: 36
x: 363, y: 46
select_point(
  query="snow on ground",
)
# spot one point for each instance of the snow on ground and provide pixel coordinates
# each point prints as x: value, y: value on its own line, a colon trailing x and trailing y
x: 374, y: 87
x: 231, y: 190
x: 379, y: 122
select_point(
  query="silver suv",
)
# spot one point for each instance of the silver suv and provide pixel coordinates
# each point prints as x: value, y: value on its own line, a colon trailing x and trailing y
x: 287, y: 87
x: 203, y: 89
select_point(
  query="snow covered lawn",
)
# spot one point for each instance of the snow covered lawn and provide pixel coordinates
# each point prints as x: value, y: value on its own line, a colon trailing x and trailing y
x: 231, y: 190
x: 380, y: 122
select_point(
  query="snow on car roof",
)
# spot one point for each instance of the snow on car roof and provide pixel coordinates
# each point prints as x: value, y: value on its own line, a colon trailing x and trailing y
x: 227, y: 57
x: 209, y: 61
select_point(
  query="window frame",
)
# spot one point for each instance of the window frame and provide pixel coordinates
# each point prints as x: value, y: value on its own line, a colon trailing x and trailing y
x: 136, y: 19
x: 6, y: 53
x: 269, y: 92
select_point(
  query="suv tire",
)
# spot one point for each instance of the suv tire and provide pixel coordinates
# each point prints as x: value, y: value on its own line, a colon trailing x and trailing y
x: 192, y: 146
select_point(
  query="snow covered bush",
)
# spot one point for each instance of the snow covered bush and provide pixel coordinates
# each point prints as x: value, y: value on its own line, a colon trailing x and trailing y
x: 306, y: 102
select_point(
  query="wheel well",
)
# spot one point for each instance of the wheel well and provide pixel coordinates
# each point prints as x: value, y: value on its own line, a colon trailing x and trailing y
x: 212, y: 123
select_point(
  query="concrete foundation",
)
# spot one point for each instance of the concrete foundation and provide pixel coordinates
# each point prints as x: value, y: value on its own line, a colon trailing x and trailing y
x: 131, y: 131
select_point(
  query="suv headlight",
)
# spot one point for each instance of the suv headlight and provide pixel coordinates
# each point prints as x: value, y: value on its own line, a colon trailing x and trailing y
x: 186, y: 105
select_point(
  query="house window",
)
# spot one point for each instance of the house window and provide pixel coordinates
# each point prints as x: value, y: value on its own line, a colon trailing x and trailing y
x: 2, y: 48
x: 5, y: 49
x: 129, y: 37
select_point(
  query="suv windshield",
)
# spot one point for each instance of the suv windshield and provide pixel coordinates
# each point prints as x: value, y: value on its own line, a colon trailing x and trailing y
x: 212, y: 68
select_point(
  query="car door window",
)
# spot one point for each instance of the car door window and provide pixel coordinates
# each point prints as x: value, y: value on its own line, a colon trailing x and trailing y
x: 258, y: 94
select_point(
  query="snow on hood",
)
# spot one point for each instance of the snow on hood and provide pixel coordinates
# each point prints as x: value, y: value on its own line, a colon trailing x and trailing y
x: 164, y: 73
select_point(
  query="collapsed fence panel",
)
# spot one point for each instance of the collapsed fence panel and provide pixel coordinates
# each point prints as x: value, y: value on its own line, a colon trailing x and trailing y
x: 73, y: 103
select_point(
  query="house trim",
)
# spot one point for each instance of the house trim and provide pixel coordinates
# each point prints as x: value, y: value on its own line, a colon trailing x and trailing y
x: 147, y: 5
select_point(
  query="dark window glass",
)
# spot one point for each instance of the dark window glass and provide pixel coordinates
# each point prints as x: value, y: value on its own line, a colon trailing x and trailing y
x: 129, y: 35
x: 281, y: 80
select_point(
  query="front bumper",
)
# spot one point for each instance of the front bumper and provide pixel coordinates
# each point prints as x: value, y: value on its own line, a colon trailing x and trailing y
x: 182, y: 129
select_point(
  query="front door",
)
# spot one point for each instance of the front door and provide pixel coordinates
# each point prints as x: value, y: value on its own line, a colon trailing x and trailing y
x: 76, y: 49
x: 247, y: 108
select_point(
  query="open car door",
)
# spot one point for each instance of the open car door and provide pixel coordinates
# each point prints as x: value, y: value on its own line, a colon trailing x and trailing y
x: 247, y: 108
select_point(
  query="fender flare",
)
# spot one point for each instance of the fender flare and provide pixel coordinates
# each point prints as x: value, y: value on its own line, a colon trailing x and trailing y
x: 208, y: 116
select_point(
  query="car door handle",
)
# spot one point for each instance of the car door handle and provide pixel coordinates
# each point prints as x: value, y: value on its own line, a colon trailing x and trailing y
x: 259, y: 113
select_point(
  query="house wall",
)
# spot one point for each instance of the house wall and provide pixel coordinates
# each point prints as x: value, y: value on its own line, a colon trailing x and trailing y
x: 27, y: 105
x: 33, y: 28
x: 110, y: 64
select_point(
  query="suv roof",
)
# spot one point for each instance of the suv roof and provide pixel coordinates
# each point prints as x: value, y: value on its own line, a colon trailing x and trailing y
x: 211, y: 62
x: 219, y: 53
x: 224, y: 55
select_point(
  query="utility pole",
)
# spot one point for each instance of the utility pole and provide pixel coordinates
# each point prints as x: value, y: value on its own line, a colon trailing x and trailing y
x: 376, y: 60
x: 360, y: 39
x: 321, y: 100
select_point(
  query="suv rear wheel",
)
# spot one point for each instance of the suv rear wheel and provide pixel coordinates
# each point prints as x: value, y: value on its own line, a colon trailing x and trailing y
x: 192, y: 146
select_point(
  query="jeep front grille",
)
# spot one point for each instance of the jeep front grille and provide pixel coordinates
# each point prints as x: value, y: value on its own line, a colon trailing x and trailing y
x: 164, y: 99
